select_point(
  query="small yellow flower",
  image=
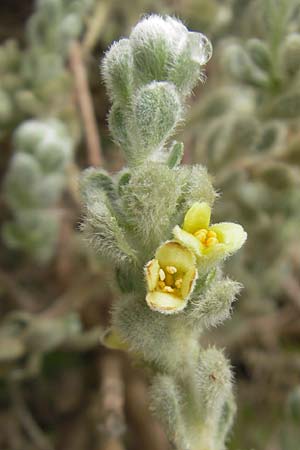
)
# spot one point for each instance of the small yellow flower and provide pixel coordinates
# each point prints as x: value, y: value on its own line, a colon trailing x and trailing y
x: 209, y: 243
x: 170, y: 278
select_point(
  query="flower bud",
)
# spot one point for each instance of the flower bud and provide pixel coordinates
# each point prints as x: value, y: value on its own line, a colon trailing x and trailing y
x: 241, y: 67
x: 290, y: 54
x: 156, y: 112
x: 117, y: 71
x: 164, y: 50
x: 259, y: 53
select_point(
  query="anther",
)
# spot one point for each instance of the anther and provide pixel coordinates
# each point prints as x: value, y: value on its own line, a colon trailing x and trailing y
x: 211, y: 241
x: 201, y: 235
x: 162, y: 275
x: 161, y: 284
x: 168, y: 289
x: 178, y: 283
x: 211, y: 234
x: 171, y: 270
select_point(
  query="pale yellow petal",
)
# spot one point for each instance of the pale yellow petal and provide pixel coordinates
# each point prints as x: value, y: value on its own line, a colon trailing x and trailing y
x: 216, y: 249
x: 231, y: 235
x: 188, y: 240
x: 188, y: 282
x: 112, y: 340
x: 152, y: 274
x: 165, y: 303
x: 172, y: 253
x: 197, y: 217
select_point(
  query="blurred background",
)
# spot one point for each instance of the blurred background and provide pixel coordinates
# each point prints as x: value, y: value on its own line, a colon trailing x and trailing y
x: 59, y: 388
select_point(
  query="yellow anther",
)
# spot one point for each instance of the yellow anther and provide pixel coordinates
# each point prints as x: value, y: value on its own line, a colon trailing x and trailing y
x: 178, y: 283
x: 171, y: 270
x: 168, y: 289
x: 201, y: 235
x: 162, y: 275
x: 211, y: 234
x: 211, y: 241
x: 161, y: 284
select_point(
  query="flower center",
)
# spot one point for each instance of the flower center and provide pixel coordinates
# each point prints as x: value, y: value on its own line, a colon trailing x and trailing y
x: 169, y: 280
x: 207, y: 237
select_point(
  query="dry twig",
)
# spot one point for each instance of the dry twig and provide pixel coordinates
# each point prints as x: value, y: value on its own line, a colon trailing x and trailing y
x: 95, y: 26
x: 112, y: 423
x: 26, y: 419
x: 19, y: 296
x: 85, y: 104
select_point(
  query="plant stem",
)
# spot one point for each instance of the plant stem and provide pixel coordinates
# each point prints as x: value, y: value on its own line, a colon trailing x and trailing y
x: 86, y: 105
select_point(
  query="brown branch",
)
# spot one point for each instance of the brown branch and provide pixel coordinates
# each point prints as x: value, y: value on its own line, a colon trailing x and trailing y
x: 19, y: 296
x: 81, y: 291
x: 291, y: 287
x: 112, y: 422
x: 95, y: 26
x: 86, y: 105
x: 26, y: 419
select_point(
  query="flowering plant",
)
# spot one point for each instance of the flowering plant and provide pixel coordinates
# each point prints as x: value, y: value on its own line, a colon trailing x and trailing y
x: 171, y: 288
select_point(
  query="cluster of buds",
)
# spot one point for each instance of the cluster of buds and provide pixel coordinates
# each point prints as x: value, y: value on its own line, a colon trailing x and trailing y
x: 35, y: 81
x: 34, y: 184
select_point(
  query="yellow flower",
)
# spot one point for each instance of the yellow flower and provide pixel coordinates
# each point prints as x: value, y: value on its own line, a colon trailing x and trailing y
x: 170, y: 277
x: 209, y: 243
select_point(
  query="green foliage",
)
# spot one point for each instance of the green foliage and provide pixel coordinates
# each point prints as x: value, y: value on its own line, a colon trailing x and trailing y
x: 33, y: 185
x: 210, y: 397
x: 243, y: 125
x: 158, y: 58
x: 175, y: 155
x: 290, y: 430
x: 150, y: 200
x: 161, y: 340
x: 196, y: 185
x: 33, y: 79
x: 167, y: 402
x: 157, y: 106
x: 104, y: 233
x: 116, y: 70
x: 247, y: 136
x: 215, y: 305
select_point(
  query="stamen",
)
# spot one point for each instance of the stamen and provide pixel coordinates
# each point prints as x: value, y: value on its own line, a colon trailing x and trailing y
x: 168, y: 289
x: 178, y: 283
x: 162, y: 275
x: 211, y: 241
x: 211, y: 234
x: 161, y: 284
x: 201, y: 235
x: 171, y: 270
x: 207, y: 237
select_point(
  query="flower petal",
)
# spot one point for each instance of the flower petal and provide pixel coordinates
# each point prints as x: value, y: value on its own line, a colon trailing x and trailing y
x: 152, y: 274
x: 172, y: 253
x: 188, y: 240
x: 231, y: 235
x: 188, y: 282
x: 112, y: 340
x: 165, y: 303
x: 197, y: 217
